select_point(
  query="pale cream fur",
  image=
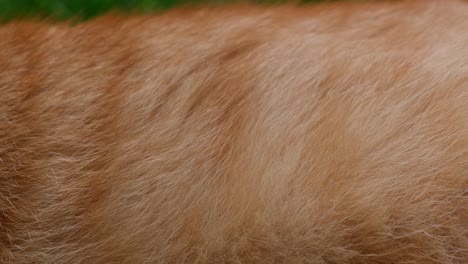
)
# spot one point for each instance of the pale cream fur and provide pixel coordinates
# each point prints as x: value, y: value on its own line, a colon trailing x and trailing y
x: 321, y: 134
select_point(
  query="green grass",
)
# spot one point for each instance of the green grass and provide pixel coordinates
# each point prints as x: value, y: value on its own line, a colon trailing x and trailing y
x: 85, y: 9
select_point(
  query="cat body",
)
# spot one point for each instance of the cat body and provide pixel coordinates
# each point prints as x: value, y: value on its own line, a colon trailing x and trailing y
x: 332, y: 133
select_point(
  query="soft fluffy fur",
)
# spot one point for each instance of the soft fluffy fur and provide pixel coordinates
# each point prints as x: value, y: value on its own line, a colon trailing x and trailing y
x: 321, y: 134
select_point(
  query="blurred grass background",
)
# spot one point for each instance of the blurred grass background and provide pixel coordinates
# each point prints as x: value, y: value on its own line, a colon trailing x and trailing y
x: 85, y: 9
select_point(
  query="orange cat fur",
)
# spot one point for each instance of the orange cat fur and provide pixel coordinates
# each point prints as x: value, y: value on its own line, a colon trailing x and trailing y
x: 334, y: 133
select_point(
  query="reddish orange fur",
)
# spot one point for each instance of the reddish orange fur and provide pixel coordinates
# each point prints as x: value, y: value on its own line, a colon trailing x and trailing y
x: 322, y: 134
